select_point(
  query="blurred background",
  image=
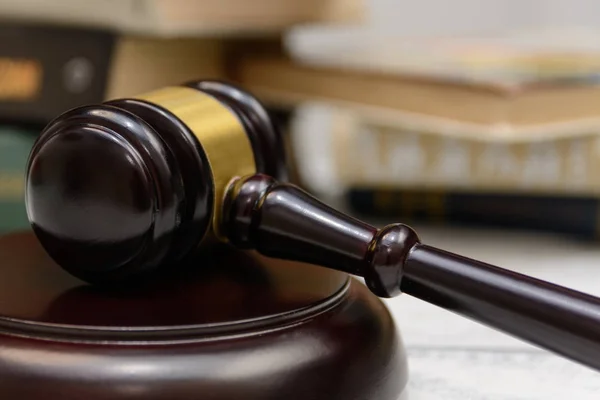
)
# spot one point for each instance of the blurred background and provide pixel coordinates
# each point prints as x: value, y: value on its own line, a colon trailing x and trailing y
x: 462, y: 113
x: 478, y: 121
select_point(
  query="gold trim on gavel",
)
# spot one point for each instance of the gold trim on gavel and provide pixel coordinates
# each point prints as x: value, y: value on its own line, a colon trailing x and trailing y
x: 220, y: 133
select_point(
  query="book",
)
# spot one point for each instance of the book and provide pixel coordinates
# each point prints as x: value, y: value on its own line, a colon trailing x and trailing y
x: 15, y: 145
x: 570, y: 215
x: 185, y: 18
x: 509, y: 58
x: 139, y: 64
x: 403, y: 169
x: 551, y: 160
x: 41, y: 77
x: 485, y: 105
x: 511, y: 114
x: 457, y: 114
x: 335, y: 148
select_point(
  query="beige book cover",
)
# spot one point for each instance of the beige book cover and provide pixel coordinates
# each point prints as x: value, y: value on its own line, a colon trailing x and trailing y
x: 282, y: 81
x: 185, y: 17
x: 140, y: 64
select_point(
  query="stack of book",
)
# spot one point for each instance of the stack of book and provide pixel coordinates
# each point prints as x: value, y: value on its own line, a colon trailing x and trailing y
x: 62, y: 54
x: 487, y: 132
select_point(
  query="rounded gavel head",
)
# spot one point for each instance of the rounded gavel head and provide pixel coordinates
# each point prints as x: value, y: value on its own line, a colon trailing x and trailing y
x: 119, y: 188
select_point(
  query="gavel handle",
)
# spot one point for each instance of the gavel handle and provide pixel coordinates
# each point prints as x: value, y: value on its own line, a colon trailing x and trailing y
x: 282, y: 221
x: 561, y: 320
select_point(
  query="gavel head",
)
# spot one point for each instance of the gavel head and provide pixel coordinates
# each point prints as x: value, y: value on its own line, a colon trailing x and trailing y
x: 119, y: 188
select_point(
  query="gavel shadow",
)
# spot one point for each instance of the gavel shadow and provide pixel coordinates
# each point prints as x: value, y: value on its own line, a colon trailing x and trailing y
x: 213, y: 285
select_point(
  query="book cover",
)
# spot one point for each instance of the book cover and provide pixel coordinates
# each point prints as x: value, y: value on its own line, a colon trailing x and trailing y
x: 46, y: 70
x: 186, y: 18
x: 15, y: 145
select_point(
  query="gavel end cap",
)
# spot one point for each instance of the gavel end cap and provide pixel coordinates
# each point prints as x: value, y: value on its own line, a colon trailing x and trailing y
x: 92, y: 202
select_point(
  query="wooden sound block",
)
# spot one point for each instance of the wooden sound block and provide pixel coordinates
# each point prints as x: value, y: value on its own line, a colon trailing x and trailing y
x: 228, y: 325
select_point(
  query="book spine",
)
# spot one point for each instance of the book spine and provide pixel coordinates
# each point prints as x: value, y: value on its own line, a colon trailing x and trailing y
x: 577, y: 216
x: 46, y: 70
x: 15, y: 145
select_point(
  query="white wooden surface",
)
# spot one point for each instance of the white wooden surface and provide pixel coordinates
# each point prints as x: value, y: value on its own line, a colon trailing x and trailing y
x: 451, y: 357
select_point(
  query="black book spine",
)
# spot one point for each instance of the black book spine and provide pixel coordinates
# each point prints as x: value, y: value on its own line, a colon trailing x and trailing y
x: 577, y: 216
x: 46, y: 70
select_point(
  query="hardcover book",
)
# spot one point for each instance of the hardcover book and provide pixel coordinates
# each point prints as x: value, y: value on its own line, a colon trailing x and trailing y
x: 15, y: 145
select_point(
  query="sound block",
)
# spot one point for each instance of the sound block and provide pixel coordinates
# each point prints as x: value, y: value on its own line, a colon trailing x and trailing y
x: 227, y: 325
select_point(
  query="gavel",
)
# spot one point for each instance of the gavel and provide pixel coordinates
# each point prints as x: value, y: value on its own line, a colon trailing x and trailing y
x: 118, y: 190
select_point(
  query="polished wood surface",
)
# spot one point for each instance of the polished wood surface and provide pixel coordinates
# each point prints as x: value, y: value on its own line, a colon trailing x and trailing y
x: 559, y: 319
x: 242, y: 326
x: 127, y: 187
x: 193, y: 169
x: 199, y: 292
x: 283, y: 221
x: 101, y: 187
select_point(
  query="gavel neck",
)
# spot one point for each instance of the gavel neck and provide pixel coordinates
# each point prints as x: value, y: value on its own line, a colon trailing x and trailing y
x: 281, y: 220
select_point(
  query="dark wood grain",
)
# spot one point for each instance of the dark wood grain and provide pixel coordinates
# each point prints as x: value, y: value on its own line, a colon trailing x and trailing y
x: 242, y: 327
